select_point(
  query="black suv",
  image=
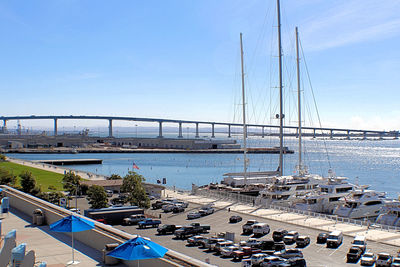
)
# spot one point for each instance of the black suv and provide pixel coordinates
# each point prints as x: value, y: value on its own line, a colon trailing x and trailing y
x: 279, y: 234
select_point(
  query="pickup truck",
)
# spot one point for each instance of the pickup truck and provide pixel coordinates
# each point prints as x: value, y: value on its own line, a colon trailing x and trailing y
x: 354, y: 254
x: 244, y: 252
x: 149, y: 222
x: 204, y: 228
x: 167, y: 228
x: 186, y: 231
x: 133, y: 219
x: 190, y: 230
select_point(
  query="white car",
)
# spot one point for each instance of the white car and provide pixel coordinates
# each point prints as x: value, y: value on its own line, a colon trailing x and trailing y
x: 228, y: 251
x: 193, y: 215
x: 368, y: 258
x: 258, y: 258
x: 168, y: 207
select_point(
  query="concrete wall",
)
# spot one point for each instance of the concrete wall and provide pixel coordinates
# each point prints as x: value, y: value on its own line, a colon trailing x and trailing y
x: 96, y: 238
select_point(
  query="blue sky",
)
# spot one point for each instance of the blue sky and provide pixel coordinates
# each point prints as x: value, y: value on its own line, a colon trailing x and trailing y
x: 180, y: 59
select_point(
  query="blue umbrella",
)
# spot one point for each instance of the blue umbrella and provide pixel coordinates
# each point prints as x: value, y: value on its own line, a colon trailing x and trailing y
x: 138, y: 249
x: 72, y: 224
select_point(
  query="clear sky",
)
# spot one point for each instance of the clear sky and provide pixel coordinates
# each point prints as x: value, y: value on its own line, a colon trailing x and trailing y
x: 180, y: 59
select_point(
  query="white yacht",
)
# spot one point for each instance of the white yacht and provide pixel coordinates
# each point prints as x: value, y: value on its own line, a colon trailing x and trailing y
x: 284, y: 190
x: 362, y: 203
x: 390, y: 215
x: 326, y: 197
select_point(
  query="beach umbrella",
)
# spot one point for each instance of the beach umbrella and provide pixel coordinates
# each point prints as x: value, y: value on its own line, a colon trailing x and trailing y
x: 72, y: 224
x: 138, y: 248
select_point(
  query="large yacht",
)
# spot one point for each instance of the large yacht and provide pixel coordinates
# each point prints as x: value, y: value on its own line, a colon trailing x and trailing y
x: 286, y: 189
x: 326, y: 197
x: 390, y: 215
x: 362, y: 203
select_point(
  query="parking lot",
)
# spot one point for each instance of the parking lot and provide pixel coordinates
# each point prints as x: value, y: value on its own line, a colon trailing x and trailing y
x: 315, y: 254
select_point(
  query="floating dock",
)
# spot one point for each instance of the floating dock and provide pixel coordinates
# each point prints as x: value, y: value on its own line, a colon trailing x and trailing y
x: 63, y: 162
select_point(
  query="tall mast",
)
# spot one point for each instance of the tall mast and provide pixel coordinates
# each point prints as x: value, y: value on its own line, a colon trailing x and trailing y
x: 244, y: 116
x: 298, y: 99
x: 281, y: 116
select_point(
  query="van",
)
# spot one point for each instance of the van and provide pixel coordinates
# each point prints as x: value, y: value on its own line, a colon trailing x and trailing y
x: 361, y: 242
x: 334, y: 239
x: 260, y: 229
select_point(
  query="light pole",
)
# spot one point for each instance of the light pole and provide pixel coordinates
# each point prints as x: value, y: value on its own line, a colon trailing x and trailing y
x: 136, y: 130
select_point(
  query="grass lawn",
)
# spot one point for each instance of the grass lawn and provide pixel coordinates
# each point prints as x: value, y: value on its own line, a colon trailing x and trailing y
x: 43, y: 178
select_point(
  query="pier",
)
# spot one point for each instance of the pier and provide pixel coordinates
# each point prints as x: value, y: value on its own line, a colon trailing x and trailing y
x: 71, y: 161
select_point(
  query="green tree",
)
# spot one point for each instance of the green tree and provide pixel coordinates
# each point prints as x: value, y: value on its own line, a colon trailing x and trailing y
x: 27, y: 181
x: 2, y: 157
x: 97, y: 197
x: 6, y: 177
x: 133, y: 185
x: 114, y: 177
x: 71, y: 182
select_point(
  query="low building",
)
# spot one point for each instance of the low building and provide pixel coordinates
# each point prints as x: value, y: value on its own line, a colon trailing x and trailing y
x: 115, y: 185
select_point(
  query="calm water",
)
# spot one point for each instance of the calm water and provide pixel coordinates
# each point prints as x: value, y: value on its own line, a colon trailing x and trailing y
x: 376, y: 163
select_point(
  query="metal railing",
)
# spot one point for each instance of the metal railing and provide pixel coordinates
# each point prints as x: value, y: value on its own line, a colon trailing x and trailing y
x: 246, y: 199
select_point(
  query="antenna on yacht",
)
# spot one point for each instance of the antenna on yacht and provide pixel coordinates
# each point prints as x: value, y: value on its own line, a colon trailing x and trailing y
x: 244, y: 116
x: 281, y: 116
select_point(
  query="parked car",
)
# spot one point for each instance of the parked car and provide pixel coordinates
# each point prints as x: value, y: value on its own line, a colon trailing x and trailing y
x: 157, y: 205
x: 303, y: 241
x: 272, y: 261
x: 193, y: 215
x: 396, y: 262
x: 334, y: 239
x: 260, y: 229
x: 354, y: 254
x: 195, y: 240
x: 133, y: 219
x: 235, y: 219
x: 228, y: 251
x: 267, y: 245
x: 220, y: 245
x: 361, y: 242
x: 383, y: 259
x: 368, y: 259
x: 168, y: 207
x: 75, y: 210
x: 206, y: 211
x: 321, y: 238
x: 253, y: 242
x: 209, y: 242
x: 257, y: 259
x: 149, y: 222
x: 245, y: 251
x: 167, y: 228
x: 109, y: 193
x: 296, y: 262
x: 290, y: 237
x: 178, y: 208
x: 289, y: 253
x: 278, y: 235
x: 202, y: 228
x: 248, y: 226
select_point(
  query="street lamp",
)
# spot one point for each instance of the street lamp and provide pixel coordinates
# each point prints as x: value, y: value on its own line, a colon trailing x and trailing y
x: 136, y: 130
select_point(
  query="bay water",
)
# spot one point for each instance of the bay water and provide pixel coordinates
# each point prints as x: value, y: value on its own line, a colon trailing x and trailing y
x: 372, y: 162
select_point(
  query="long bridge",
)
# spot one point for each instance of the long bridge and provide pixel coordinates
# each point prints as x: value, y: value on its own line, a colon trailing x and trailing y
x: 311, y: 130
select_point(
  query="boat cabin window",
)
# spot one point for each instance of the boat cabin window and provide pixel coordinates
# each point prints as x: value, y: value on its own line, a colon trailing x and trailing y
x: 351, y: 205
x: 324, y: 190
x: 300, y: 187
x: 333, y: 199
x: 311, y: 201
x: 343, y: 190
x: 371, y: 203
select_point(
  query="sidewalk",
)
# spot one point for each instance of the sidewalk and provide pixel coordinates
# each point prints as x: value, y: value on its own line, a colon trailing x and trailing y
x: 377, y: 235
